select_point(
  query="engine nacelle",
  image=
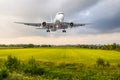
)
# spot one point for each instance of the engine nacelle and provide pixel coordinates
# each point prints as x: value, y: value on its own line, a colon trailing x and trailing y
x: 44, y: 24
x: 71, y: 24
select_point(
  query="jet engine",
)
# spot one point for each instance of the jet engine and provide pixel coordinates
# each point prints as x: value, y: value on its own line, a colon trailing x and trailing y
x: 44, y: 24
x: 71, y: 24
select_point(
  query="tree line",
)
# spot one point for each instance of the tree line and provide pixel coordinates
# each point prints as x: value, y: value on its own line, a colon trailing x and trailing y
x: 113, y: 46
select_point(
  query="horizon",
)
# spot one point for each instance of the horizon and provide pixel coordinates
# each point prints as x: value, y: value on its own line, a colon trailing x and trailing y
x: 57, y: 44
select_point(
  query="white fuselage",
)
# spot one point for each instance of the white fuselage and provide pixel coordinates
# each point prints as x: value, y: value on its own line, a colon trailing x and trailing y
x: 57, y: 21
x: 59, y: 17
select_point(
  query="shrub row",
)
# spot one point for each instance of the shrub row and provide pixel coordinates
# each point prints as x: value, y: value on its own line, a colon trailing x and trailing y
x: 31, y: 67
x: 63, y: 71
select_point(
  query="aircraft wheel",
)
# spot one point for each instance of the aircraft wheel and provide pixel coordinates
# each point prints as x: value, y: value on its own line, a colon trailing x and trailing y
x: 48, y: 30
x: 64, y: 31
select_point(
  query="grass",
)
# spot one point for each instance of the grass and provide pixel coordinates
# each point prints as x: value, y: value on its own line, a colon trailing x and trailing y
x: 62, y: 54
x: 63, y: 64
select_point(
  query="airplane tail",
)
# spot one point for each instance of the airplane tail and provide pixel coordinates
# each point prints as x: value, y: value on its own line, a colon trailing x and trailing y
x: 51, y: 19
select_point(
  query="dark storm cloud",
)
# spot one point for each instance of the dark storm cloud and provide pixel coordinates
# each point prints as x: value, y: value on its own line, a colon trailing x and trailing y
x: 108, y: 25
x: 106, y: 16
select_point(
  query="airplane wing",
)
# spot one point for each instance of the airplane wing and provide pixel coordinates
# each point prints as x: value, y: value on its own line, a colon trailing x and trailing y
x: 30, y: 24
x: 71, y: 24
x: 44, y: 24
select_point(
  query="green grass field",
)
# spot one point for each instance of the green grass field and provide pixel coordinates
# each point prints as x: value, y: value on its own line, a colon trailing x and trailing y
x: 62, y: 54
x: 59, y: 64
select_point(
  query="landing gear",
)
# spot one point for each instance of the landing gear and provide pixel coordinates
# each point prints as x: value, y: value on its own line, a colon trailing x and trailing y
x: 64, y: 31
x: 48, y: 30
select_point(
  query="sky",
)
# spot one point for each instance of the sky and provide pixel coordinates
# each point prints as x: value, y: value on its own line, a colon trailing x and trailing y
x: 103, y: 14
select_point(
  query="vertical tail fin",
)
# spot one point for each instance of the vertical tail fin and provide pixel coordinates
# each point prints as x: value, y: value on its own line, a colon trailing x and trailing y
x: 51, y: 19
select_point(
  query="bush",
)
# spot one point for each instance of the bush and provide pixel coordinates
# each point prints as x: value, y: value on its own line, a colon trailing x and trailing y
x: 12, y: 63
x: 3, y: 73
x: 118, y: 65
x: 33, y: 68
x: 100, y: 62
x: 107, y: 63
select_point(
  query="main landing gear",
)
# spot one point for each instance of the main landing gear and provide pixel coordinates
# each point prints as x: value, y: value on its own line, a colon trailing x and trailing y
x: 48, y: 30
x: 64, y: 30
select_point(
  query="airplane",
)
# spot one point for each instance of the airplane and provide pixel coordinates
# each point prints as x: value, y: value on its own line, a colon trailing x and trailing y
x: 57, y: 23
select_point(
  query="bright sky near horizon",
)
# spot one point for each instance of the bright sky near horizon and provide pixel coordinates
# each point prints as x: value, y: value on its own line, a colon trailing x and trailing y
x: 104, y: 14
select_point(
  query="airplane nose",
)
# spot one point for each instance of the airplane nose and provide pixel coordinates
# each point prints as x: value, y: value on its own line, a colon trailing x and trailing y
x: 57, y: 26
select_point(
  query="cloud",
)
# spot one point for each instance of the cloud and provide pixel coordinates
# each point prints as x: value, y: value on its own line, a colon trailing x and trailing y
x: 108, y: 25
x: 39, y: 8
x: 104, y: 14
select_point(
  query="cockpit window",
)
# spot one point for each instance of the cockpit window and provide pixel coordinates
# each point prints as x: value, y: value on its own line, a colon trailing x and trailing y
x: 60, y: 13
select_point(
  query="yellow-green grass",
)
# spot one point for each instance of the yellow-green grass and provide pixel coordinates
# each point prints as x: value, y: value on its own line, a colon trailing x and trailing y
x: 62, y: 54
